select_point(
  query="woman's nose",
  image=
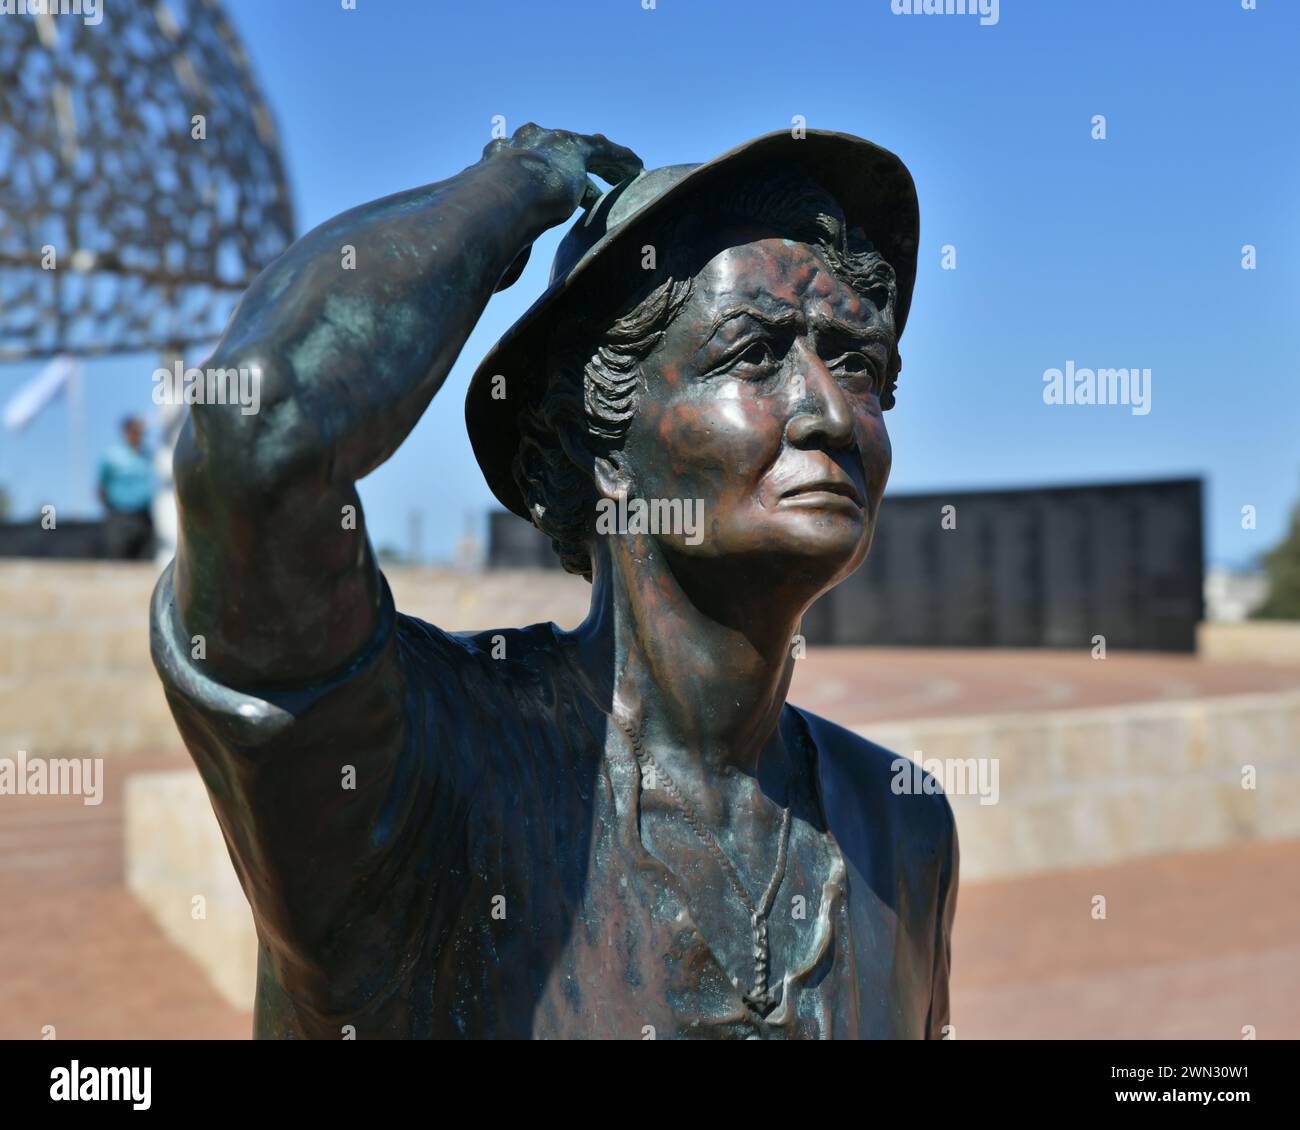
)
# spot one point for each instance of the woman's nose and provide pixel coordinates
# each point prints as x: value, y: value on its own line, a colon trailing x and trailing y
x: 821, y: 414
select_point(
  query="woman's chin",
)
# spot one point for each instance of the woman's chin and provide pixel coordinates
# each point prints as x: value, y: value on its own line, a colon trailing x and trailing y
x: 820, y: 532
x: 825, y: 545
x: 822, y: 552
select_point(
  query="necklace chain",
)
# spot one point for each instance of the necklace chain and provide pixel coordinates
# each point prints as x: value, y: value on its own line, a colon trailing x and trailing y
x: 759, y: 997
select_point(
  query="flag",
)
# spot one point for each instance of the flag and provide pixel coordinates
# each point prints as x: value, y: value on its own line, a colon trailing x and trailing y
x: 27, y: 402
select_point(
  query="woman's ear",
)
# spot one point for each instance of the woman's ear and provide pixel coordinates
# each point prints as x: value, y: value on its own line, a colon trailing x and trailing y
x: 609, y: 473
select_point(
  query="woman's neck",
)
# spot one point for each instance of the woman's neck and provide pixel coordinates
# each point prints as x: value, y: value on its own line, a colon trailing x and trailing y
x: 693, y: 659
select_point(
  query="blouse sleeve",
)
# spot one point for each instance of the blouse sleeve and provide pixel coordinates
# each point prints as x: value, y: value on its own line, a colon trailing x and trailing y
x: 323, y: 798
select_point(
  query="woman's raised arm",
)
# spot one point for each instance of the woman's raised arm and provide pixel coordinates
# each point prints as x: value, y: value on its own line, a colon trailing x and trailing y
x: 350, y: 333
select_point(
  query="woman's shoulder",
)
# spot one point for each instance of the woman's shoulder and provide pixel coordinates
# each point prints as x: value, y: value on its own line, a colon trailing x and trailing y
x: 535, y: 644
x: 474, y: 674
x: 870, y: 790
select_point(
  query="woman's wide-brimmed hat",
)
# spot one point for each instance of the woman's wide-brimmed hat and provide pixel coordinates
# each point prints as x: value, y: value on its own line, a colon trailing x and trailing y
x: 872, y: 186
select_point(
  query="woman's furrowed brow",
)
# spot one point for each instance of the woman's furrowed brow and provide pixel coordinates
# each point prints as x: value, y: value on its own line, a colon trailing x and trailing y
x: 786, y: 316
x: 864, y: 332
x: 793, y: 316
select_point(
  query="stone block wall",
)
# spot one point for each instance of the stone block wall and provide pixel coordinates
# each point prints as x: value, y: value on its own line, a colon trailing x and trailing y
x: 75, y: 674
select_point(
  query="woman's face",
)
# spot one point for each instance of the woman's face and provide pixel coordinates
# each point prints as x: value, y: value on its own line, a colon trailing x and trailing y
x: 762, y: 401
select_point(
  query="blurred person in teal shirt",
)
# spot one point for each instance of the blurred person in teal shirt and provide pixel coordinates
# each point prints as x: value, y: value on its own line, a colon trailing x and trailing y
x: 126, y: 484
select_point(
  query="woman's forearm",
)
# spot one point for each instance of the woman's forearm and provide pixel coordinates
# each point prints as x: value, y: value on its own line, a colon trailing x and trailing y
x: 356, y: 326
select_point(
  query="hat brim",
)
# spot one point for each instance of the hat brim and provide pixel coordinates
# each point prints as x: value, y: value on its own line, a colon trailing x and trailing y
x: 871, y: 184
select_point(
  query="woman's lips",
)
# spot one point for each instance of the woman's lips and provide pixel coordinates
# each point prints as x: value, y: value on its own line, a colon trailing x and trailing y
x: 824, y: 492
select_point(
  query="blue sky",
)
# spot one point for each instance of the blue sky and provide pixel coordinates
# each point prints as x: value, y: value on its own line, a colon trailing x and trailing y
x: 1117, y: 253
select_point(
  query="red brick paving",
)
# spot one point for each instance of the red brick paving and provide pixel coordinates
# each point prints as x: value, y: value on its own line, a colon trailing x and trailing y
x: 1193, y: 946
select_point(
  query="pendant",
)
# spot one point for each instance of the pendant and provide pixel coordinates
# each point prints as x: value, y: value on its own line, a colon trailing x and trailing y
x: 759, y: 998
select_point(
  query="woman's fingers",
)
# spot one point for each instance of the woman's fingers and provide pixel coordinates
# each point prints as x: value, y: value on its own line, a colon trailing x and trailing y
x: 610, y: 161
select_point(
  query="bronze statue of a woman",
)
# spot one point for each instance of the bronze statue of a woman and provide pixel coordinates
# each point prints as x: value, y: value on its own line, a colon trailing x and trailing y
x: 622, y: 831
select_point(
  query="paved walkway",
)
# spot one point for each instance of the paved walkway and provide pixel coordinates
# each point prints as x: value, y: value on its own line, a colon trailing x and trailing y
x: 1192, y: 946
x: 859, y: 685
x: 76, y: 950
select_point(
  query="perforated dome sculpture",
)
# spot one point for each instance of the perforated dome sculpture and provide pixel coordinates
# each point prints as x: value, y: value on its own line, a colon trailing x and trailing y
x: 141, y: 186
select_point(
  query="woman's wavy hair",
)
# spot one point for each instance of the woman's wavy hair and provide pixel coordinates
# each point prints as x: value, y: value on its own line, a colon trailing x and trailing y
x: 594, y: 357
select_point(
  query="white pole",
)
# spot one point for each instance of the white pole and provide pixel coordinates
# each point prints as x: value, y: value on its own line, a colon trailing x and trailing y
x: 76, y: 432
x: 169, y: 420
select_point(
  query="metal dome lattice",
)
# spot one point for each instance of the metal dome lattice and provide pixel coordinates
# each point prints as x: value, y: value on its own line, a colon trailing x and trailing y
x: 141, y: 186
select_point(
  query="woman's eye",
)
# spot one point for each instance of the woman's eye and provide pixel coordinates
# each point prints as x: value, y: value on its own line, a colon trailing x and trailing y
x: 757, y: 353
x: 860, y: 367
